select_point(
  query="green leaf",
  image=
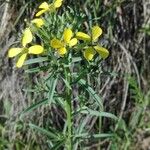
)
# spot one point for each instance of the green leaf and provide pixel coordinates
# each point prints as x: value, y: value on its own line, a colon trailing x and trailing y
x: 80, y: 76
x: 98, y: 113
x: 67, y: 83
x: 95, y: 136
x: 92, y: 92
x: 35, y: 60
x: 58, y: 145
x: 37, y: 69
x: 82, y: 124
x: 45, y: 132
x: 34, y: 106
x: 52, y: 82
x: 33, y: 70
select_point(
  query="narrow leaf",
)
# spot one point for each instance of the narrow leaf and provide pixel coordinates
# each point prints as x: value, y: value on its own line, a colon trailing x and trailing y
x: 97, y: 136
x: 51, y: 85
x: 98, y: 113
x: 35, y: 60
x: 92, y: 92
x: 34, y: 106
x: 44, y: 131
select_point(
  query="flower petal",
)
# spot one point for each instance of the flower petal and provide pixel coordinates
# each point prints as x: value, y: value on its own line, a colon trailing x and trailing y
x: 36, y: 49
x: 103, y: 52
x: 73, y: 42
x: 55, y: 43
x: 57, y: 3
x: 14, y: 51
x: 62, y: 51
x: 67, y: 35
x: 38, y: 22
x: 27, y: 37
x: 83, y: 36
x: 89, y: 53
x: 21, y: 60
x: 39, y: 13
x: 96, y: 32
x: 44, y: 5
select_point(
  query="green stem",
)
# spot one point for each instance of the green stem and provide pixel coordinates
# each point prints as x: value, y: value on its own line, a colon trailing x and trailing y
x: 100, y: 127
x: 68, y: 110
x: 69, y: 124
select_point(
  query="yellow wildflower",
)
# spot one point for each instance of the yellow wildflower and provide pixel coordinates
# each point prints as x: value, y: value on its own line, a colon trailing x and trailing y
x: 44, y: 7
x: 67, y: 41
x: 23, y: 51
x: 96, y: 32
x: 90, y: 51
x: 38, y: 22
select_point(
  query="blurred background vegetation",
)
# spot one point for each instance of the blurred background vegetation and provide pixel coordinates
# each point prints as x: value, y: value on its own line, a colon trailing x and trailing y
x: 126, y: 25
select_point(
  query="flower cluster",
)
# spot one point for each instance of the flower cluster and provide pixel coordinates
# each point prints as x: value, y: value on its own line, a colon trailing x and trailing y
x: 45, y: 7
x: 24, y: 50
x: 91, y: 50
x: 61, y: 46
x: 28, y: 36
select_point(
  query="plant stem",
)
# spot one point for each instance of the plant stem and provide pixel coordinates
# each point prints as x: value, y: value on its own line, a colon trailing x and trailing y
x: 69, y: 122
x: 68, y: 110
x: 100, y: 126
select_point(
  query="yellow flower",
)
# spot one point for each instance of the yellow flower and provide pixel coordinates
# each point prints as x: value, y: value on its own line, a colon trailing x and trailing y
x: 96, y: 33
x: 44, y: 7
x: 90, y: 51
x: 38, y: 22
x: 23, y: 51
x: 67, y: 41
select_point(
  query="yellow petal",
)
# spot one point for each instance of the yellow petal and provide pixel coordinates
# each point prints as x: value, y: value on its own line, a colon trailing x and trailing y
x: 73, y: 42
x: 39, y: 13
x: 96, y: 32
x: 55, y: 43
x: 36, y: 49
x: 103, y: 52
x: 89, y: 53
x: 44, y: 5
x: 57, y: 3
x: 21, y: 60
x: 14, y: 51
x: 27, y: 37
x: 67, y: 35
x: 38, y: 22
x: 62, y: 51
x: 83, y: 36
